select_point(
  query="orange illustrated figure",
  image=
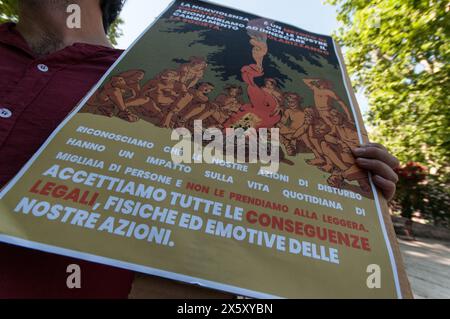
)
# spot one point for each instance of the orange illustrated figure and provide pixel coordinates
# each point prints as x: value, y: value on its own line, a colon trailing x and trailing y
x: 200, y: 100
x: 294, y: 124
x: 133, y: 79
x: 117, y: 93
x: 190, y: 74
x: 324, y: 97
x: 258, y: 40
x: 337, y: 147
x: 139, y: 100
x: 162, y: 92
x: 224, y: 106
x: 264, y: 101
x: 231, y: 99
x: 316, y: 134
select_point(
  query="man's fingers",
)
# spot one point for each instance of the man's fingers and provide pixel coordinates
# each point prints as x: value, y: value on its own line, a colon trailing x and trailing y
x: 377, y: 145
x: 377, y: 153
x: 387, y: 187
x: 378, y: 168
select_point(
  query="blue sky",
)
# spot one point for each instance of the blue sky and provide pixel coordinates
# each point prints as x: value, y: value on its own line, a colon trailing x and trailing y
x: 311, y: 15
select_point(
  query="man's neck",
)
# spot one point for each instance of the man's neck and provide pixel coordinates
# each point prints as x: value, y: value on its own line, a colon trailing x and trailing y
x: 44, y: 25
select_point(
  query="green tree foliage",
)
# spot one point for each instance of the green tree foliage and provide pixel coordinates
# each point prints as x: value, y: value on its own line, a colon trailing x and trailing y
x: 398, y: 51
x: 8, y: 12
x: 115, y: 31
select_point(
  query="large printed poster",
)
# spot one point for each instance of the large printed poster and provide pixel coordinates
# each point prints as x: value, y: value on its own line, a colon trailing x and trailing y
x: 115, y: 184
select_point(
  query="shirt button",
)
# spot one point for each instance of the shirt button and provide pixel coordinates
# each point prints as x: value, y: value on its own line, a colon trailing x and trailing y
x: 42, y: 68
x: 5, y: 113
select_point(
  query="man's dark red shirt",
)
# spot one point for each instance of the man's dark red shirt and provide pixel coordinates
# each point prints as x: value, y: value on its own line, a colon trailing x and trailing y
x: 35, y: 96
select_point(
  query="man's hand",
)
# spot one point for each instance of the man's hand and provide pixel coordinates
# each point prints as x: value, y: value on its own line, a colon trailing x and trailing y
x: 376, y: 159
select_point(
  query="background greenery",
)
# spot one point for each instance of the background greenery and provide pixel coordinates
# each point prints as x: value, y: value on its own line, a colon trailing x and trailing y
x: 398, y: 51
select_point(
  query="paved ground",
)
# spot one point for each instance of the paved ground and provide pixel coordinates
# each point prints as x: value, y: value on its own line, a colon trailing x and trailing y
x: 427, y: 263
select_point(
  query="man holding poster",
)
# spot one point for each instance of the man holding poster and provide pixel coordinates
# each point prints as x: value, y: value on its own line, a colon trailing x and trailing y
x: 47, y: 68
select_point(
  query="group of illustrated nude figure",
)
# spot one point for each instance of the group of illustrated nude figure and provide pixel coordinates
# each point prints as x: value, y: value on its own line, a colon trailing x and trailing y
x: 177, y: 97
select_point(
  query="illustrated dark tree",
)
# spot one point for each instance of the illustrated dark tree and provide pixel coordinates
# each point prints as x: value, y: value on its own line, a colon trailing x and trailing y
x: 238, y: 49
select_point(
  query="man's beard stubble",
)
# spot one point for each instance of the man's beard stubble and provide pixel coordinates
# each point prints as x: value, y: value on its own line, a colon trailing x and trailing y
x: 50, y: 39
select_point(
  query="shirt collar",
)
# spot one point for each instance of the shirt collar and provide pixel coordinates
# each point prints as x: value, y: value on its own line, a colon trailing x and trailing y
x: 10, y: 37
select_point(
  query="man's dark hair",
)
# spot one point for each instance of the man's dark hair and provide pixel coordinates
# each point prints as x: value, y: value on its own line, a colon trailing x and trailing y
x: 111, y: 10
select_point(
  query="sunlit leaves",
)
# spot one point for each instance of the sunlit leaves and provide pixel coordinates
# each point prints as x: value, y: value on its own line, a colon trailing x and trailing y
x: 401, y: 58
